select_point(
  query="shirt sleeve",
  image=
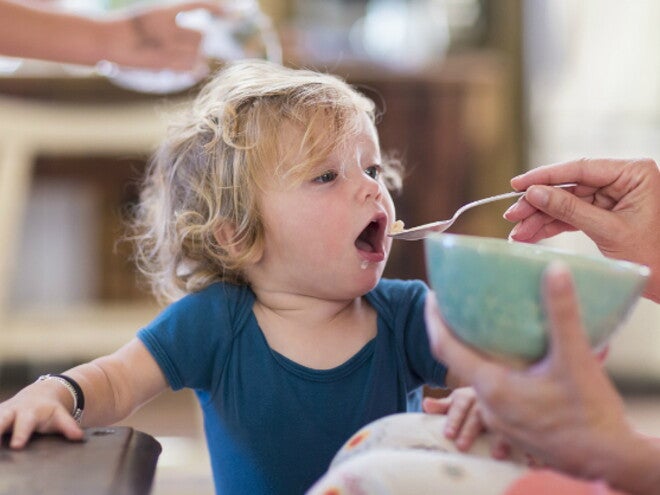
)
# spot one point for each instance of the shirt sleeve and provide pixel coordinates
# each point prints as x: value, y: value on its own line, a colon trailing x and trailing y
x: 416, y: 343
x: 401, y: 304
x: 190, y: 339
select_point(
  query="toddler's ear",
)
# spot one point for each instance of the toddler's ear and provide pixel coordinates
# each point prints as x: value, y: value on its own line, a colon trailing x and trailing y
x: 225, y: 235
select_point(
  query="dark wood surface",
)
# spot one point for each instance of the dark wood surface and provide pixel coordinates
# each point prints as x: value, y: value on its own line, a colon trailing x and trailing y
x: 112, y: 461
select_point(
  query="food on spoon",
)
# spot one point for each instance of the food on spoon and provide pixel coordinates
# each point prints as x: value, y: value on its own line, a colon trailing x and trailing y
x: 397, y: 227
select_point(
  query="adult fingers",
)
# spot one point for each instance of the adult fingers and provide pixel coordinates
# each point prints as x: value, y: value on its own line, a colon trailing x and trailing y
x: 587, y: 172
x: 568, y: 342
x: 596, y: 222
x: 547, y: 174
x: 549, y: 230
x: 538, y: 226
x: 519, y: 210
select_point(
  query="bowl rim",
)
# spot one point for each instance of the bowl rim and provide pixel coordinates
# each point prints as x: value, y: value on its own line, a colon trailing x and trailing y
x: 535, y: 252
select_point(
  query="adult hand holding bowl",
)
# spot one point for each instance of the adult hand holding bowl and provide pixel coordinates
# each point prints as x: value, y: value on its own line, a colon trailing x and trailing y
x: 488, y: 291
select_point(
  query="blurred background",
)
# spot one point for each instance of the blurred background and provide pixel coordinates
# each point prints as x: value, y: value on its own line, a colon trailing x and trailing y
x: 472, y: 92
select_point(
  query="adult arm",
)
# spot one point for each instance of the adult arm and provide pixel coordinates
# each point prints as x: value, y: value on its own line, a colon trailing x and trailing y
x: 147, y: 37
x: 616, y: 203
x: 563, y: 410
x: 113, y: 386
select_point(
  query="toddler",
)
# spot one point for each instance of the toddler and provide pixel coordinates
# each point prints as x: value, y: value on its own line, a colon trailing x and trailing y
x: 263, y: 223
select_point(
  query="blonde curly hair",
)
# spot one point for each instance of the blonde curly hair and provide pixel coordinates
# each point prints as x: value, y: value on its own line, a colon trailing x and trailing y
x: 206, y: 174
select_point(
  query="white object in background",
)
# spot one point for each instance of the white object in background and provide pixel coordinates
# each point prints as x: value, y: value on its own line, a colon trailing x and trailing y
x: 403, y: 34
x: 245, y: 33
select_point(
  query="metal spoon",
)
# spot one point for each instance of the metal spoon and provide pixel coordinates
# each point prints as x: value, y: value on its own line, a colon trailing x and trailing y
x: 422, y: 231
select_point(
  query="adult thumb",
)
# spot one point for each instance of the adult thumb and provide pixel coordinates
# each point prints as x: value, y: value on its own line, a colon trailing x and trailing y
x: 568, y: 341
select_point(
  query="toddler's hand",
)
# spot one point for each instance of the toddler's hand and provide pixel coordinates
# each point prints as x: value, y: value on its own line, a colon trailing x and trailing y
x: 37, y: 408
x: 464, y: 422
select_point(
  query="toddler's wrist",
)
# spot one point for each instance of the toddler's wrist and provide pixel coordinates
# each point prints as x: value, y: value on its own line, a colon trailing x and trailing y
x: 75, y: 395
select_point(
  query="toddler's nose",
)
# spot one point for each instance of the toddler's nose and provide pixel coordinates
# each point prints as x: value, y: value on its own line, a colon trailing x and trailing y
x: 369, y: 188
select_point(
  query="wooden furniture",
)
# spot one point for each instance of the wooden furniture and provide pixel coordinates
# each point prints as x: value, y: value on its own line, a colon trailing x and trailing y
x: 28, y: 130
x: 110, y: 461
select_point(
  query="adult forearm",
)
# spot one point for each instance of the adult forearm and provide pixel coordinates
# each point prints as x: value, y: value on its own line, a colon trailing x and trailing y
x: 31, y: 31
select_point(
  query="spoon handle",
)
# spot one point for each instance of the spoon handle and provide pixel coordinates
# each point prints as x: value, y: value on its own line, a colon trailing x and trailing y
x: 421, y: 231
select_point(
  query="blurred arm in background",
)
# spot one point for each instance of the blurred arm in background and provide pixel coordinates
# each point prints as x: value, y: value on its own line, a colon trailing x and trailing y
x: 146, y: 37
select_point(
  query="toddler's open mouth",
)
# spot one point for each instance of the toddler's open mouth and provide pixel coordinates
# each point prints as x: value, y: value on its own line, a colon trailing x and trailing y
x: 370, y: 242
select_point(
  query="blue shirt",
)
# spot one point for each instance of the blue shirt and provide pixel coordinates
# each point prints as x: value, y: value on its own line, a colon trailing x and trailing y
x: 272, y: 426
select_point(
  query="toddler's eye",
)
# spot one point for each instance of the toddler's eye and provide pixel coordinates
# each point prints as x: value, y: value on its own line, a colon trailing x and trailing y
x: 328, y: 176
x: 374, y: 171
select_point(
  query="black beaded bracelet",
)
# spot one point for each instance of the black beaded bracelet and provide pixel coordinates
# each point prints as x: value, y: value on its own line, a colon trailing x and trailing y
x: 75, y: 389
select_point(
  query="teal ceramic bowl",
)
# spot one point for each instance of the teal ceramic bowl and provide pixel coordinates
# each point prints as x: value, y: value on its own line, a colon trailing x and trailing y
x: 489, y: 292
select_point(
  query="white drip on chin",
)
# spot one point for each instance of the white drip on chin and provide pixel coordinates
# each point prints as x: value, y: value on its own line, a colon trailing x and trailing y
x: 364, y: 264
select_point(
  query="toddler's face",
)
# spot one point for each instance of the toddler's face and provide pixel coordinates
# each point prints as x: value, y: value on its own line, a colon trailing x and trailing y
x: 326, y: 237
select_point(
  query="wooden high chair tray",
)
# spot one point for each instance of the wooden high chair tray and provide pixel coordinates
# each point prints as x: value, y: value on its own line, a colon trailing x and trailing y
x: 112, y: 461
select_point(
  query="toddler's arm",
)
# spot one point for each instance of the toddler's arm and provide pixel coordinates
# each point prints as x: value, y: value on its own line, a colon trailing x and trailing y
x: 113, y: 386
